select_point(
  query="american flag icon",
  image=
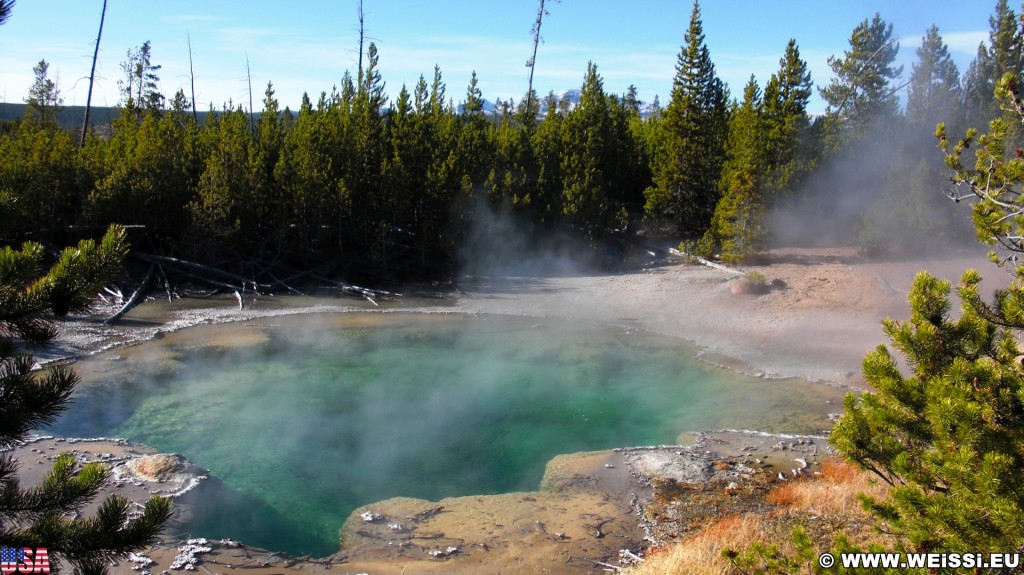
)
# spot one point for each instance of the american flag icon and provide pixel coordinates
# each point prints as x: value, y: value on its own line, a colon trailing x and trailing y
x: 11, y: 557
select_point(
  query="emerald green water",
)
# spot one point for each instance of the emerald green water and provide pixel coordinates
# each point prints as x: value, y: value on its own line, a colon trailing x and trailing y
x: 326, y: 413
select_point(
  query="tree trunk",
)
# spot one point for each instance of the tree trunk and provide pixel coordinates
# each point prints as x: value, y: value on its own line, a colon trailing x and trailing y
x: 92, y: 75
x: 192, y: 79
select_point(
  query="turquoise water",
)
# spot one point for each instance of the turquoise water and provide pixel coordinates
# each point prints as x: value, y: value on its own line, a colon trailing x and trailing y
x: 321, y: 414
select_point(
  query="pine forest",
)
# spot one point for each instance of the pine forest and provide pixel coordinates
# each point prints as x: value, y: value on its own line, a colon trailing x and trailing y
x: 354, y: 184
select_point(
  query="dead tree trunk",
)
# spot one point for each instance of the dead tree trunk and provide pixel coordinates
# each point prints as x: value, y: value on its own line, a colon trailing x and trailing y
x: 532, y: 62
x: 92, y: 75
x: 248, y: 75
x: 136, y: 297
x: 192, y: 80
x: 362, y: 38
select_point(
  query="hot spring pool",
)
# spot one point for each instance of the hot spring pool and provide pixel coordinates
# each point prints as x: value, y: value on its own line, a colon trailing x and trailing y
x: 304, y: 418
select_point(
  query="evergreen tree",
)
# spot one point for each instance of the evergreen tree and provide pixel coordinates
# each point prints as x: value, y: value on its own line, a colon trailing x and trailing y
x: 147, y: 177
x: 1004, y: 53
x: 265, y: 210
x: 861, y: 94
x: 630, y: 170
x: 44, y: 98
x: 737, y: 230
x: 421, y: 95
x: 362, y: 178
x: 949, y: 438
x: 403, y: 173
x: 934, y: 91
x: 586, y: 158
x: 513, y: 175
x: 140, y: 92
x: 437, y: 90
x: 1006, y: 42
x: 787, y: 126
x: 441, y: 130
x: 908, y: 213
x: 979, y: 107
x: 181, y: 106
x: 547, y: 198
x: 38, y: 516
x: 6, y: 7
x: 218, y: 208
x: 42, y: 182
x: 304, y: 175
x: 688, y: 162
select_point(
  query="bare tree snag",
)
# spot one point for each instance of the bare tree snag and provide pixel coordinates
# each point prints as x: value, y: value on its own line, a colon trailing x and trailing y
x: 532, y: 62
x: 92, y: 75
x: 192, y: 79
x: 136, y: 297
x: 248, y: 75
x: 362, y: 38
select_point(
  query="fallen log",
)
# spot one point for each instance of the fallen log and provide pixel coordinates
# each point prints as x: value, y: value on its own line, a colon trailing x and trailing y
x: 220, y: 284
x: 284, y: 284
x: 705, y: 262
x: 152, y: 258
x: 608, y: 567
x: 367, y: 293
x: 136, y: 297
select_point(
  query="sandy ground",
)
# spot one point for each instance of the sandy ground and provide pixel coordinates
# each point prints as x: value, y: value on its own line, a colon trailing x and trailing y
x: 818, y: 323
x: 818, y: 326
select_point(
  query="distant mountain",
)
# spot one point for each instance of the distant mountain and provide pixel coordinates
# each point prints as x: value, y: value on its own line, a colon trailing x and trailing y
x: 489, y: 108
x: 571, y: 98
x: 71, y: 117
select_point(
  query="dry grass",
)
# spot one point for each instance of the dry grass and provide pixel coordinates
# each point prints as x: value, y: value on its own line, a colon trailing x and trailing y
x: 833, y: 493
x: 830, y: 497
x: 702, y: 552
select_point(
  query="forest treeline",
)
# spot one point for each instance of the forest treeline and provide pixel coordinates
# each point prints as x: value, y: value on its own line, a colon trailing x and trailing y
x: 352, y: 182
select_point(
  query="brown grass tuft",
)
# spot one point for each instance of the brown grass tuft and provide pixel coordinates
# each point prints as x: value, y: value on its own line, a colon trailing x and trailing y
x: 701, y: 553
x: 839, y: 471
x: 784, y: 495
x: 822, y: 504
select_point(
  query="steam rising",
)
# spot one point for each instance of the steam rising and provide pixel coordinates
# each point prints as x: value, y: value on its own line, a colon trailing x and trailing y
x: 338, y: 411
x: 500, y: 244
x: 886, y: 194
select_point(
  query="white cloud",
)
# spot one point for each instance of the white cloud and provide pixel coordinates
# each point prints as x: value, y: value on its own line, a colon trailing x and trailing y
x: 958, y: 43
x: 965, y: 42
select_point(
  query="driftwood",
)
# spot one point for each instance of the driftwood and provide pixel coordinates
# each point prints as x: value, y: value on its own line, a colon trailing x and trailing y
x: 264, y: 276
x: 284, y: 284
x: 201, y: 267
x: 632, y: 556
x: 597, y: 527
x: 367, y: 293
x: 427, y: 514
x: 705, y: 262
x: 117, y: 294
x: 607, y: 566
x: 167, y: 285
x: 136, y: 297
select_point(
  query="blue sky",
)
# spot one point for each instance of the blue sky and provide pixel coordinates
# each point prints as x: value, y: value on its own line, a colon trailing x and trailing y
x: 306, y: 45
